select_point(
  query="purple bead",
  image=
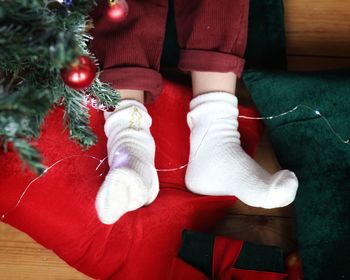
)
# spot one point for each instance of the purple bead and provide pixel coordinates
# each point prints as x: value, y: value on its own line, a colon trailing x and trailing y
x: 120, y: 159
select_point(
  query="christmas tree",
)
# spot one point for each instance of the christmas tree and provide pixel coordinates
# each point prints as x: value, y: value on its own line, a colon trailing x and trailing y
x: 42, y: 43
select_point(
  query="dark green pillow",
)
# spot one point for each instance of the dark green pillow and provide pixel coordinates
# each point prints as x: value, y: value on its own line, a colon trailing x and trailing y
x: 304, y: 143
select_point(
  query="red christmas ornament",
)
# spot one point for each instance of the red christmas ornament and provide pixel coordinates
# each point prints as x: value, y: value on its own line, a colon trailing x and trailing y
x: 80, y: 74
x: 118, y: 10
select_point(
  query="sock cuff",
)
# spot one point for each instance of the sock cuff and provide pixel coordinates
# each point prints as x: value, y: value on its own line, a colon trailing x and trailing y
x: 129, y: 114
x: 214, y: 96
x: 126, y: 103
x: 211, y: 107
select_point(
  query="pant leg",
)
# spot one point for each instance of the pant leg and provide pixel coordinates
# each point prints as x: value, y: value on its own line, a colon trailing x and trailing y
x: 212, y: 34
x: 129, y: 52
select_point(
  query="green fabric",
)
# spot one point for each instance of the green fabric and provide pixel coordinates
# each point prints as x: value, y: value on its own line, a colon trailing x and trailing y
x: 261, y: 258
x: 268, y: 51
x: 197, y: 250
x: 305, y: 144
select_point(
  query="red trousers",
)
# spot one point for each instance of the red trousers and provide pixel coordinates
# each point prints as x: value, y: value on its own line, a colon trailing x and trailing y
x: 212, y: 35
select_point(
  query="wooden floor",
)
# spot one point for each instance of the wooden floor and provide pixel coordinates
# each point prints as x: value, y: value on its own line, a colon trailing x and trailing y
x: 318, y: 37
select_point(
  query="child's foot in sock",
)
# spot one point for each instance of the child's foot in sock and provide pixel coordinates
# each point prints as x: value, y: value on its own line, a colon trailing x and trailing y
x: 132, y: 180
x: 219, y: 166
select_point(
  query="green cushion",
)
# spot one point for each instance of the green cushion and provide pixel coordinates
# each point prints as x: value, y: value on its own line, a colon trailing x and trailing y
x: 268, y: 51
x: 304, y: 143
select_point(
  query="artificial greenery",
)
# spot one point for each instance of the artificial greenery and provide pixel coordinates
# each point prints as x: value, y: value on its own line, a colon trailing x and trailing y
x: 37, y: 39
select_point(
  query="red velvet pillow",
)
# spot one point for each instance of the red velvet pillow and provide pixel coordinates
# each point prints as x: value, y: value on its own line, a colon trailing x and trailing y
x: 58, y: 209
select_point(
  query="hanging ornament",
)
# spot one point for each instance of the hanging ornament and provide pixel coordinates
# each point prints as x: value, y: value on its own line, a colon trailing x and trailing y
x: 117, y: 10
x: 60, y: 6
x: 80, y: 74
x: 65, y: 2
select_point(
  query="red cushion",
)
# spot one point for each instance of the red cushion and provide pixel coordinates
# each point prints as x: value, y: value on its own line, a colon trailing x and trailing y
x: 226, y: 253
x: 58, y: 209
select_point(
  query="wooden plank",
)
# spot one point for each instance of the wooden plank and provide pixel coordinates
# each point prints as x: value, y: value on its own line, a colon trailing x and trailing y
x: 318, y: 27
x: 22, y: 258
x: 308, y: 63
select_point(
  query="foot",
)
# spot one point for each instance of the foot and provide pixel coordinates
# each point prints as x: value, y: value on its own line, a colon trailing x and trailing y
x: 132, y: 180
x: 219, y: 166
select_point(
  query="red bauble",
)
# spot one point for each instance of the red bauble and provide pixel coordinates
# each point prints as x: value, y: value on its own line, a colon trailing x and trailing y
x: 80, y: 74
x: 117, y: 11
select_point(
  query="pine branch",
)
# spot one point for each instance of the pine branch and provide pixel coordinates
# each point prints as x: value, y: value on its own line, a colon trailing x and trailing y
x: 23, y: 110
x: 104, y: 94
x: 30, y: 155
x: 76, y: 117
x: 37, y: 39
x: 32, y: 34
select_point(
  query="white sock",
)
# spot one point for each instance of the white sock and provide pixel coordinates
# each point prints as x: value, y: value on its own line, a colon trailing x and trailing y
x: 132, y: 180
x: 219, y: 166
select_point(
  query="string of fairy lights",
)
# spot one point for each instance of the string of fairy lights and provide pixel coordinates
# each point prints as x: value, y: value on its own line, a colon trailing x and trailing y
x: 316, y: 113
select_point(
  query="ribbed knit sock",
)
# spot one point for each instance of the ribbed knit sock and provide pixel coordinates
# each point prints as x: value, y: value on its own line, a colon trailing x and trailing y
x: 219, y: 166
x: 132, y: 180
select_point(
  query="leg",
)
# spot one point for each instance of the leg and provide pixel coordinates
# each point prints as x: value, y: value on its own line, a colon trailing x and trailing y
x: 203, y: 82
x: 132, y: 180
x: 129, y: 53
x: 135, y: 94
x: 212, y: 34
x: 212, y: 52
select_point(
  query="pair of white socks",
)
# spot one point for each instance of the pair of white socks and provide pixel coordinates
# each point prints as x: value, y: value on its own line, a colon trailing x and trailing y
x: 217, y: 164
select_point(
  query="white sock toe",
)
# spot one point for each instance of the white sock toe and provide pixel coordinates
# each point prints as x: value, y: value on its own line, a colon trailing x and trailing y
x: 283, y: 189
x: 122, y: 191
x: 219, y: 166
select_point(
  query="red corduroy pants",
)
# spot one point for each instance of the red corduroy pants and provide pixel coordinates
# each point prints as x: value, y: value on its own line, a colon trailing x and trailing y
x: 212, y: 36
